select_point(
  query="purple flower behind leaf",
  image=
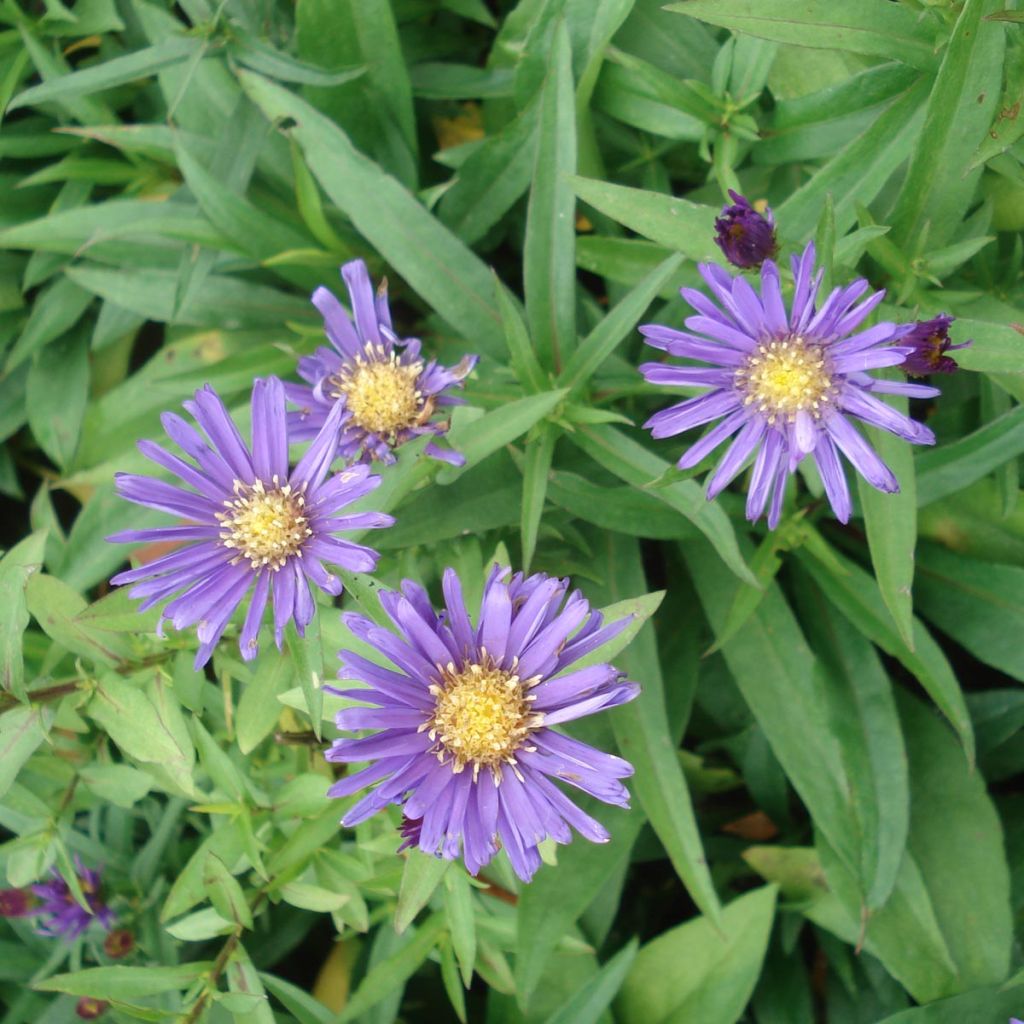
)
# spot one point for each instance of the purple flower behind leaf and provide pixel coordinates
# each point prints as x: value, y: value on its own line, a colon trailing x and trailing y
x: 465, y: 717
x: 15, y: 903
x: 786, y: 384
x: 250, y: 522
x: 386, y: 391
x: 59, y: 913
x: 745, y: 236
x: 929, y: 342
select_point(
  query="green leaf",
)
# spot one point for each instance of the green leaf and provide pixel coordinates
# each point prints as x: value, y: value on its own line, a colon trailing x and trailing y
x: 590, y: 1001
x: 549, y: 266
x: 434, y: 262
x: 421, y: 875
x: 863, y: 717
x: 56, y: 309
x: 475, y: 439
x: 870, y: 27
x: 647, y: 741
x: 225, y: 893
x: 536, y: 471
x: 524, y: 359
x: 56, y: 608
x: 391, y: 974
x: 722, y: 967
x: 678, y: 224
x: 978, y: 604
x: 120, y: 784
x: 259, y: 56
x: 982, y: 1004
x: 617, y: 325
x: 951, y: 467
x: 313, y: 897
x: 125, y: 982
x: 297, y: 1001
x: 492, y: 178
x: 458, y: 905
x: 258, y: 708
x: 56, y: 394
x: 556, y: 897
x: 855, y: 594
x: 858, y: 172
x: 891, y: 523
x: 16, y: 567
x: 110, y: 73
x: 939, y: 188
x: 630, y: 461
x: 307, y: 658
x: 21, y: 731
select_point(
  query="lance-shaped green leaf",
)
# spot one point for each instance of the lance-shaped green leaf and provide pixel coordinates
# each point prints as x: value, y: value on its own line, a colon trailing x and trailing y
x: 549, y: 265
x: 678, y: 224
x: 517, y: 337
x: 125, y: 982
x: 536, y: 469
x: 21, y: 732
x: 939, y: 188
x: 870, y: 27
x: 16, y: 567
x: 617, y: 325
x: 592, y: 999
x: 451, y: 278
x: 421, y: 875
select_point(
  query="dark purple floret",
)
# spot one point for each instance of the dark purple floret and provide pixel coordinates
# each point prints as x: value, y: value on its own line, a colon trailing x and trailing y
x: 745, y: 236
x: 929, y: 342
x: 60, y: 915
x: 410, y: 832
x: 787, y: 384
x: 387, y: 393
x: 248, y: 521
x: 15, y: 903
x: 466, y: 740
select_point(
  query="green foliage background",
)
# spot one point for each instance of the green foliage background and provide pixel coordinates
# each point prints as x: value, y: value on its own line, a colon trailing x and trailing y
x: 827, y: 821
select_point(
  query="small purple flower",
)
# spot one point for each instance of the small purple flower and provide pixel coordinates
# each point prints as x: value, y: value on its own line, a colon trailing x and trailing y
x: 250, y: 522
x: 466, y: 742
x: 60, y: 915
x: 387, y: 393
x: 786, y: 384
x: 745, y: 236
x: 929, y: 342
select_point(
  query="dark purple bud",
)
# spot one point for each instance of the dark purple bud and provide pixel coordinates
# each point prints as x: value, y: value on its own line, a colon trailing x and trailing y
x: 745, y: 236
x: 410, y: 830
x: 89, y: 1008
x: 15, y: 903
x: 119, y: 943
x: 930, y: 342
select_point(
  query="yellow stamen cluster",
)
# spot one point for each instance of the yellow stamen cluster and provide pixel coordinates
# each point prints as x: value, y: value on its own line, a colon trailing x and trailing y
x: 265, y: 527
x: 785, y: 376
x: 482, y: 716
x: 380, y: 392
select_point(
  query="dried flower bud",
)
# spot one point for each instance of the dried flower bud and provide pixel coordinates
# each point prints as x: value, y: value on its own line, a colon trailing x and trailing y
x: 119, y: 943
x: 89, y: 1008
x: 930, y: 342
x: 745, y: 236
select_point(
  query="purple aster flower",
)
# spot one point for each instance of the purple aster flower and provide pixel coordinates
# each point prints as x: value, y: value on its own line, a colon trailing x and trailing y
x: 785, y: 384
x: 929, y: 342
x: 745, y: 236
x: 60, y: 915
x: 249, y: 521
x: 466, y: 741
x: 387, y: 393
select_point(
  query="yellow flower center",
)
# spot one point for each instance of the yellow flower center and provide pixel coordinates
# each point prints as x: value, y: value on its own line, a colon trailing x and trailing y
x: 381, y: 394
x: 265, y: 527
x: 785, y: 376
x: 482, y: 716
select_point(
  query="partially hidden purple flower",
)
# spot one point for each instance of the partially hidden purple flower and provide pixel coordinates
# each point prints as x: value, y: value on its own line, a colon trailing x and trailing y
x: 60, y: 915
x: 16, y: 903
x: 386, y: 391
x: 746, y: 237
x: 786, y: 384
x: 929, y: 342
x: 250, y: 522
x: 466, y: 742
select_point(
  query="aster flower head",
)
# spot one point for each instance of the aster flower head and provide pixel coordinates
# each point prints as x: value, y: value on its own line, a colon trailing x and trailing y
x: 250, y: 523
x: 746, y: 237
x: 929, y: 342
x: 466, y: 742
x: 387, y: 393
x: 59, y: 915
x: 786, y: 384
